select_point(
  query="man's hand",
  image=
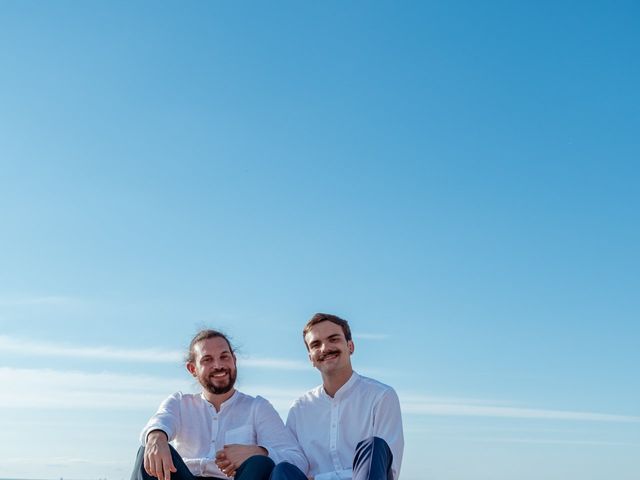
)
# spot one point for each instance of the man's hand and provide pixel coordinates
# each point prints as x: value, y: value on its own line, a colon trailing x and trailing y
x: 231, y: 456
x: 157, y: 456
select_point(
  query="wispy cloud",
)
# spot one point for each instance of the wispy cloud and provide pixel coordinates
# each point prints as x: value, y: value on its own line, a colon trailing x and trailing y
x: 73, y: 389
x: 23, y: 388
x: 415, y: 400
x: 58, y: 461
x: 550, y: 441
x: 370, y: 336
x: 28, y: 300
x: 145, y: 355
x: 460, y: 407
x: 273, y: 363
x: 32, y: 347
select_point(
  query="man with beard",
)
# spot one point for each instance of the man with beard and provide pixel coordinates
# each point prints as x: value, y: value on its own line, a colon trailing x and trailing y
x: 219, y: 433
x: 350, y: 426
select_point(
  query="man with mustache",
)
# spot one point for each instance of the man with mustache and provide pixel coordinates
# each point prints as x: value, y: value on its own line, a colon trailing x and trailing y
x: 350, y: 426
x: 219, y: 433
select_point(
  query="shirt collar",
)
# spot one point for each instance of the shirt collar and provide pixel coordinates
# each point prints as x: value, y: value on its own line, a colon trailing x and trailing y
x: 344, y: 389
x: 228, y: 402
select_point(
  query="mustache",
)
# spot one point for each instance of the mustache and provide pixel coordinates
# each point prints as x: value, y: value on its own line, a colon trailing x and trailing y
x: 220, y: 370
x: 325, y: 355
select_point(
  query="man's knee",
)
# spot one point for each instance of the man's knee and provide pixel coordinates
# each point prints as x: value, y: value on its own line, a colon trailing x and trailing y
x: 376, y: 443
x: 138, y: 467
x: 139, y: 473
x: 287, y: 471
x: 372, y: 460
x: 256, y: 467
x: 372, y: 450
x: 259, y: 461
x: 285, y: 466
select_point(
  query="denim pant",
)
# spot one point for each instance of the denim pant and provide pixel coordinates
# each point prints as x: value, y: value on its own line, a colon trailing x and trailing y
x: 372, y: 461
x: 257, y: 467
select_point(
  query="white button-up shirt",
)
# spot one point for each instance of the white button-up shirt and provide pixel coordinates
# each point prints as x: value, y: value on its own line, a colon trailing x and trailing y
x: 328, y: 429
x: 197, y: 431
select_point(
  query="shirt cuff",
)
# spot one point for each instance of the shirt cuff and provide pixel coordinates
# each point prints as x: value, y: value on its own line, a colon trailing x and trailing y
x: 341, y: 475
x: 147, y: 431
x: 326, y: 476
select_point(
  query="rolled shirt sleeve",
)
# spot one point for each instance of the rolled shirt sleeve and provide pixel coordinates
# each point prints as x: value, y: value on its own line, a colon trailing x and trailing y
x: 167, y: 419
x: 280, y: 443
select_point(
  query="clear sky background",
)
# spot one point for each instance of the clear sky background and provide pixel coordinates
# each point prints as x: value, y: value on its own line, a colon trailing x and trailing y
x: 457, y: 179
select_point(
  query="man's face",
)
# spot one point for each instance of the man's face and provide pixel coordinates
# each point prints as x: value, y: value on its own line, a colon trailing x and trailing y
x: 214, y: 365
x: 329, y: 350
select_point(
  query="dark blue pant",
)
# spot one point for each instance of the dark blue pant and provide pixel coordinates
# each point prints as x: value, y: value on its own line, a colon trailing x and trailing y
x: 257, y: 467
x: 372, y: 461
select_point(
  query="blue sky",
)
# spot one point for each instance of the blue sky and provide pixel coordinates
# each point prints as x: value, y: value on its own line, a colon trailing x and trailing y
x: 459, y: 180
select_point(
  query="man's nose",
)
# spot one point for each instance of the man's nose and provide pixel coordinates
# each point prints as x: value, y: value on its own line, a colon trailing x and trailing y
x: 217, y: 363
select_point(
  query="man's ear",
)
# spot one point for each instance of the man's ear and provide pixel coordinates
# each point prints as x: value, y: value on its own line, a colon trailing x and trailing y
x: 191, y: 368
x: 351, y: 346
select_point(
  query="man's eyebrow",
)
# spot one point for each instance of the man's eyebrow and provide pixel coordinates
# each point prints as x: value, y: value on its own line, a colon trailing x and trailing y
x: 331, y: 337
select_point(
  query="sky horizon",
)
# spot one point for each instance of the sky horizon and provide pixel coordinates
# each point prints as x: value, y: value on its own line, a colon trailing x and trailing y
x: 459, y: 181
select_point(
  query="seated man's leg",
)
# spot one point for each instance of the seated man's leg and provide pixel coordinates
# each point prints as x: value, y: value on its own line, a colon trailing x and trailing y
x: 372, y: 460
x: 182, y: 473
x: 257, y: 467
x: 287, y: 471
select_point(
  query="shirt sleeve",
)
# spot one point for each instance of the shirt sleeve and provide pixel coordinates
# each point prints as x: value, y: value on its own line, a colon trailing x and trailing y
x: 291, y: 423
x: 276, y: 438
x: 167, y: 419
x: 388, y: 426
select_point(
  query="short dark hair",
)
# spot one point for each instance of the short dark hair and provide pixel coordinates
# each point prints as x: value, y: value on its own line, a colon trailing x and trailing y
x: 204, y: 335
x: 326, y: 317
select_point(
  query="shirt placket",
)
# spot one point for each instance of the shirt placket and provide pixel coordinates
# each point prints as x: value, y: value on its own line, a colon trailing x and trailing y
x: 333, y: 437
x: 215, y: 426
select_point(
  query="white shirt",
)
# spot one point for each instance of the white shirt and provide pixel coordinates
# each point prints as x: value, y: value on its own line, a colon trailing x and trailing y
x: 197, y: 431
x: 328, y: 429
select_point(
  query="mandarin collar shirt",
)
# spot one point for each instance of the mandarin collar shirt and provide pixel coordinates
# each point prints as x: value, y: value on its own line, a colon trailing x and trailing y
x: 329, y: 429
x: 197, y: 431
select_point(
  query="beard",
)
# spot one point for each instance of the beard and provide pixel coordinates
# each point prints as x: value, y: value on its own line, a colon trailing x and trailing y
x: 209, y: 386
